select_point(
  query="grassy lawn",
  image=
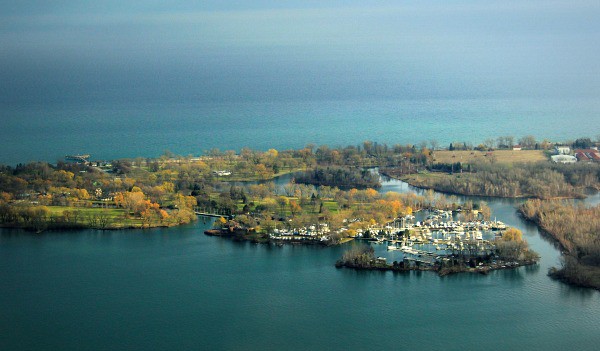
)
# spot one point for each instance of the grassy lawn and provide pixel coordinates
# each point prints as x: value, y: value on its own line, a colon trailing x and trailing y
x: 332, y: 206
x: 116, y: 216
x: 501, y: 156
x: 112, y: 212
x: 328, y: 204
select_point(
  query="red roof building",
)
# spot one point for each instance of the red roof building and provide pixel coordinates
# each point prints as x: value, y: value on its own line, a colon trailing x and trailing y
x: 587, y: 155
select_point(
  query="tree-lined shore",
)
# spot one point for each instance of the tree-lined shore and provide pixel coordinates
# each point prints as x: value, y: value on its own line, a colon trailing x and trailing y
x: 538, y: 180
x: 362, y: 257
x: 576, y: 228
x: 331, y: 196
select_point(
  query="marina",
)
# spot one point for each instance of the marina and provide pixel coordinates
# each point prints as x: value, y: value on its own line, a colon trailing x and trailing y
x: 429, y: 238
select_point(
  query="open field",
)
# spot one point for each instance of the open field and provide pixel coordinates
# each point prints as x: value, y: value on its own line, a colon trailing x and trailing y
x: 501, y: 156
x: 111, y: 212
x: 115, y: 218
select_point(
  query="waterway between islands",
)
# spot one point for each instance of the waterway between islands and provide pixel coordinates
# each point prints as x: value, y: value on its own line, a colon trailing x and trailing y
x: 176, y: 288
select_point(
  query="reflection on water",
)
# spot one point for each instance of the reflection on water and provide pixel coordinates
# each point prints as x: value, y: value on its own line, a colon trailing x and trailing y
x: 532, y: 269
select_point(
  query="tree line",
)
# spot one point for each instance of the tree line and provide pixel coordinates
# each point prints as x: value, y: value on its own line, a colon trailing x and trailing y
x: 340, y: 177
x: 576, y: 227
x: 540, y: 180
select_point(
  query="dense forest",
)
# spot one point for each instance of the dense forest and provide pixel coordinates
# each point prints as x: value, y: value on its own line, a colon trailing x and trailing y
x: 541, y: 180
x: 577, y: 229
x: 343, y: 178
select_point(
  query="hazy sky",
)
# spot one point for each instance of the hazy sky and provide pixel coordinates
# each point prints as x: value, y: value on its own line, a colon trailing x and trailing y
x: 150, y: 50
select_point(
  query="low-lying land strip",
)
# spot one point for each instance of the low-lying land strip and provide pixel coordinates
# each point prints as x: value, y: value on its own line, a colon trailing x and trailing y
x: 498, y: 156
x: 576, y: 228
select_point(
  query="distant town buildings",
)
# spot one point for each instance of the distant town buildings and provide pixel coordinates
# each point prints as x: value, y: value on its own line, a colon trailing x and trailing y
x: 587, y: 155
x: 562, y: 150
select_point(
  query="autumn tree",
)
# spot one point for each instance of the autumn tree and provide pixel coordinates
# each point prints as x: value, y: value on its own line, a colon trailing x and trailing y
x: 295, y: 208
x: 133, y: 201
x: 512, y: 234
x: 511, y: 246
x: 485, y: 210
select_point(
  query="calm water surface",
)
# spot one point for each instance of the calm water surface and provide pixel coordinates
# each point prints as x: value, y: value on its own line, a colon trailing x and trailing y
x: 176, y: 288
x: 108, y: 131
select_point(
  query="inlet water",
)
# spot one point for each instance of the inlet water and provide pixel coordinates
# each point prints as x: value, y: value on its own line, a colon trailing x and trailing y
x: 165, y: 289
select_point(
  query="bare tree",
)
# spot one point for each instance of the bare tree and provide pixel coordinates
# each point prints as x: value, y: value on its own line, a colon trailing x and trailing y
x: 528, y: 141
x: 490, y: 143
x: 510, y: 141
x: 434, y: 144
x: 501, y: 142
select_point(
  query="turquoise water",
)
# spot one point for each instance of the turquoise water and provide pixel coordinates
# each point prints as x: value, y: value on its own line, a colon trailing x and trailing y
x: 109, y: 131
x: 176, y: 288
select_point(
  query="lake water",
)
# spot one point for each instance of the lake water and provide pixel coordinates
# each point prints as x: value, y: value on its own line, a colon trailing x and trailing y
x: 165, y: 289
x: 282, y: 74
x: 107, y: 131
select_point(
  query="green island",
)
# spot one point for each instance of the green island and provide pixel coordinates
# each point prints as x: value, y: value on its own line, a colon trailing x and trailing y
x: 330, y: 199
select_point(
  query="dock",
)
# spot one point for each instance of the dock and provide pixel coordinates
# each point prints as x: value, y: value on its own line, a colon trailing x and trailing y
x: 78, y: 158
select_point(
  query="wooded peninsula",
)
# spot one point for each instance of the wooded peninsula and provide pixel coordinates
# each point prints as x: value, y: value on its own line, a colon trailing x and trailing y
x: 576, y: 228
x: 331, y: 198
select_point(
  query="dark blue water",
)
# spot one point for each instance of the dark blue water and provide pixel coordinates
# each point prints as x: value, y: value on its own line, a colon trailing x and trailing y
x: 108, y: 131
x: 176, y: 288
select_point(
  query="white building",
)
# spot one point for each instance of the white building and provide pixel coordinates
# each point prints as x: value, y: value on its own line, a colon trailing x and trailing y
x: 564, y: 159
x: 562, y: 150
x: 222, y: 173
